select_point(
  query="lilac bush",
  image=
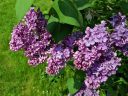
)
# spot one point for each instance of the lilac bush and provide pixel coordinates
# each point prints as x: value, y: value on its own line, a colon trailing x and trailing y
x: 95, y: 52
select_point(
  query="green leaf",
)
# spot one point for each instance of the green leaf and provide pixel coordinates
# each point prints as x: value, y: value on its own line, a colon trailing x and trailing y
x: 79, y: 78
x: 44, y: 5
x: 68, y: 12
x: 21, y: 7
x: 59, y: 31
x: 51, y: 78
x: 111, y: 91
x: 53, y: 19
x: 122, y: 80
x: 124, y: 6
x: 82, y: 4
x: 102, y: 92
x: 70, y: 84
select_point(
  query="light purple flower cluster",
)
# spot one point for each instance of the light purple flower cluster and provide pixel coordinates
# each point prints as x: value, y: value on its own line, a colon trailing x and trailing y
x: 102, y: 69
x: 119, y: 38
x: 31, y: 36
x: 91, y: 46
x: 59, y: 56
x: 98, y: 73
x: 61, y: 53
x: 84, y: 91
x: 102, y: 62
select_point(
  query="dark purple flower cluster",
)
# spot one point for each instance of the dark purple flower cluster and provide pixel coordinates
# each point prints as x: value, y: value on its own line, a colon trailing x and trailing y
x: 34, y: 20
x: 119, y: 38
x: 124, y: 49
x: 70, y: 41
x: 18, y: 37
x: 91, y: 46
x: 118, y: 19
x: 31, y: 36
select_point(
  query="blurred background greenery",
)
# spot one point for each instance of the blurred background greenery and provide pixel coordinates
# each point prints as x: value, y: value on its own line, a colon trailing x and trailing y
x: 17, y: 78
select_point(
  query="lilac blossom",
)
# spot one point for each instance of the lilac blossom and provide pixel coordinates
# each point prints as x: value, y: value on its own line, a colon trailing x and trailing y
x: 58, y: 58
x: 91, y: 46
x: 34, y: 20
x: 17, y: 40
x: 119, y: 38
x: 61, y: 53
x: 70, y: 40
x: 106, y: 66
x: 124, y: 49
x: 84, y: 91
x: 98, y: 73
x: 118, y: 19
x: 31, y: 36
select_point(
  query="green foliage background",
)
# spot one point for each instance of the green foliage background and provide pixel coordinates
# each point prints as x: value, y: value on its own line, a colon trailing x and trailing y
x: 17, y: 78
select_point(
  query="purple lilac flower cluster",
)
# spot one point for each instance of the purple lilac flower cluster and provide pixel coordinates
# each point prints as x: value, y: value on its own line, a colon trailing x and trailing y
x: 102, y: 69
x: 31, y: 36
x: 101, y: 65
x: 59, y: 56
x: 118, y: 19
x: 119, y: 37
x: 91, y: 46
x: 99, y: 72
x: 84, y: 91
x: 61, y: 53
x: 18, y: 37
x: 71, y: 40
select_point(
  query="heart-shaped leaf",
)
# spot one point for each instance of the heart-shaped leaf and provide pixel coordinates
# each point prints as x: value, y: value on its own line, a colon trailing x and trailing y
x: 70, y: 84
x: 21, y: 7
x: 82, y: 4
x: 68, y: 12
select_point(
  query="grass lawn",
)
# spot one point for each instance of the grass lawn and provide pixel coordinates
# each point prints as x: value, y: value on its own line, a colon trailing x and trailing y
x: 17, y: 78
